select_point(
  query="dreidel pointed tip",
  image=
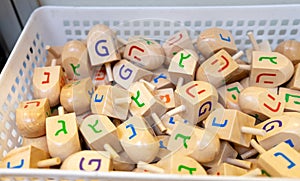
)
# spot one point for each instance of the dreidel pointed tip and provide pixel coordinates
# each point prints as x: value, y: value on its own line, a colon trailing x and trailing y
x: 109, y: 72
x: 49, y: 162
x: 253, y: 131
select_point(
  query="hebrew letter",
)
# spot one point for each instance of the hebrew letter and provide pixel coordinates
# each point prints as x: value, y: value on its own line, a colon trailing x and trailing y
x: 17, y: 166
x: 48, y: 78
x: 93, y: 127
x: 161, y: 76
x: 74, y: 68
x: 97, y: 161
x: 291, y: 163
x: 271, y: 59
x: 182, y: 57
x: 191, y: 170
x: 203, y: 106
x: 287, y: 96
x: 166, y: 97
x: 98, y: 100
x: 63, y: 129
x: 234, y: 89
x: 265, y: 75
x: 184, y: 139
x: 137, y: 48
x: 127, y: 70
x: 225, y: 39
x: 270, y: 108
x: 225, y: 66
x: 222, y: 125
x: 135, y: 99
x: 106, y: 53
x: 132, y: 130
x: 37, y: 103
x: 173, y: 40
x: 272, y: 126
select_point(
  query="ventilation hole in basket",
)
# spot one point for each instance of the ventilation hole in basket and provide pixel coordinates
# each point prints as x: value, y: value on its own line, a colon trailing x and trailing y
x: 271, y: 32
x: 12, y: 115
x: 3, y: 136
x: 13, y: 89
x: 262, y: 22
x: 237, y: 42
x: 247, y: 42
x: 20, y: 98
x: 9, y: 143
x: 39, y: 51
x: 33, y: 65
x: 76, y: 23
x: 17, y: 80
x: 146, y: 23
x: 16, y: 105
x: 177, y: 24
x: 86, y: 23
x: 273, y: 22
x: 7, y: 125
x: 42, y: 45
x: 167, y: 24
x: 279, y: 41
x: 24, y: 65
x: 137, y: 32
x: 284, y: 22
x: 69, y: 39
x: 14, y: 133
x: 219, y: 23
x: 208, y: 23
x: 20, y: 140
x: 66, y: 23
x: 156, y: 33
x: 44, y: 59
x: 30, y: 72
x: 197, y: 32
x: 187, y: 23
x: 136, y: 23
x: 37, y: 36
x: 96, y: 22
x: 27, y: 81
x: 282, y: 32
x: 240, y: 23
x: 68, y: 32
x: 1, y: 117
x: 21, y: 72
x: 296, y: 22
x: 29, y: 96
x: 4, y: 107
x: 86, y: 32
x: 294, y: 32
x: 23, y: 89
x: 260, y: 32
x: 34, y: 43
x: 146, y: 33
x: 27, y: 57
x: 239, y: 32
x: 166, y: 33
x: 251, y: 23
x: 31, y: 50
x: 156, y: 23
x: 127, y: 33
x: 9, y: 98
x: 229, y: 23
x: 77, y: 32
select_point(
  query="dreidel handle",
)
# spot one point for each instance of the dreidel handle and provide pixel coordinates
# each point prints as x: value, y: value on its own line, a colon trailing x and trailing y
x: 253, y: 131
x: 112, y: 151
x: 49, y: 162
x: 253, y: 40
x: 61, y: 110
x: 238, y: 55
x: 244, y: 67
x: 109, y: 72
x: 176, y: 110
x: 256, y: 146
x: 249, y: 154
x: 52, y: 51
x: 159, y: 123
x: 180, y: 82
x: 239, y: 163
x: 150, y: 86
x: 123, y: 41
x: 123, y: 100
x: 53, y: 62
x: 149, y: 167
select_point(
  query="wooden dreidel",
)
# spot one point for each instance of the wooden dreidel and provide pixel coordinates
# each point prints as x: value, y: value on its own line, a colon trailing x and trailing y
x: 31, y: 117
x: 138, y: 139
x: 75, y: 60
x: 171, y: 121
x: 291, y: 49
x: 219, y: 68
x: 229, y: 95
x: 214, y: 39
x: 226, y: 169
x: 175, y: 163
x: 292, y: 99
x: 269, y: 69
x: 144, y: 103
x: 239, y: 74
x: 144, y: 52
x: 111, y: 101
x: 76, y: 96
x: 161, y: 79
x: 284, y: 128
x: 39, y: 142
x: 101, y: 134
x: 198, y: 143
x: 53, y: 52
x: 163, y: 150
x: 100, y: 77
x: 89, y: 161
x: 47, y: 83
x: 198, y: 99
x: 123, y: 163
x: 176, y: 43
x: 264, y: 46
x: 233, y: 126
x: 294, y: 83
x: 261, y: 103
x: 102, y: 47
x: 279, y: 161
x: 182, y: 67
x: 28, y: 157
x: 166, y: 96
x: 62, y: 134
x: 125, y: 73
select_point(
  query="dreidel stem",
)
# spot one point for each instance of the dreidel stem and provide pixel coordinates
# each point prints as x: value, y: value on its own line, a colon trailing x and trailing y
x: 53, y: 62
x: 176, y: 110
x: 148, y: 167
x: 49, y: 162
x: 111, y: 150
x: 52, y: 51
x: 249, y: 154
x: 239, y: 163
x: 256, y: 146
x: 123, y: 100
x: 244, y: 67
x: 61, y: 111
x: 109, y: 72
x: 179, y: 82
x: 253, y: 40
x: 253, y: 131
x: 253, y: 173
x: 159, y: 123
x: 237, y: 55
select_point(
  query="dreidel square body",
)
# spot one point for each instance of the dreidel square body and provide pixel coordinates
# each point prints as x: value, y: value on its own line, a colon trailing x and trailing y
x: 229, y: 95
x: 227, y: 123
x: 103, y: 102
x: 31, y: 117
x: 292, y: 99
x: 125, y: 73
x: 217, y: 69
x: 98, y: 130
x: 62, y: 135
x: 200, y: 99
x: 166, y: 96
x: 161, y: 79
x: 47, y: 83
x: 281, y: 161
x: 214, y: 39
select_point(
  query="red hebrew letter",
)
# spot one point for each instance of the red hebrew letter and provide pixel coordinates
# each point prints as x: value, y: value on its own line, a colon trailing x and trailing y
x: 48, y: 78
x: 265, y: 75
x: 137, y: 48
x: 37, y: 103
x: 173, y: 40
x: 270, y: 108
x: 224, y: 66
x: 188, y: 90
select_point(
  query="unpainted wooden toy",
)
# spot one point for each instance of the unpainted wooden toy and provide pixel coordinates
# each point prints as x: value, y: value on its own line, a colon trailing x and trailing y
x: 292, y: 99
x: 263, y: 46
x: 295, y: 81
x: 291, y: 49
x: 229, y: 95
x: 39, y: 142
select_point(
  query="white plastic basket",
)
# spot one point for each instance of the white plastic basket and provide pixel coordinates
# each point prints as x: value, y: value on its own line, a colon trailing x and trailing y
x: 56, y: 25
